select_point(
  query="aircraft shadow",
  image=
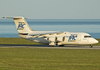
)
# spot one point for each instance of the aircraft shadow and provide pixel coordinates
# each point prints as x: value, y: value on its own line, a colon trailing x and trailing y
x: 11, y: 45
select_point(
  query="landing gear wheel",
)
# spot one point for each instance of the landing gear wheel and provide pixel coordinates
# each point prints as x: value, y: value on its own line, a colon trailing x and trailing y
x: 91, y: 46
x: 52, y: 45
x: 61, y: 45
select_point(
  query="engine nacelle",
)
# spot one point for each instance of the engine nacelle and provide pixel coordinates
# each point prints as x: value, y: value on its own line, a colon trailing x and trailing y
x: 52, y: 39
x: 55, y: 39
x: 52, y: 43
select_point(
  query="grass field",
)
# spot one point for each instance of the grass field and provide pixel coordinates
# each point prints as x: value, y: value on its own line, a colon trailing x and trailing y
x: 49, y: 59
x: 46, y: 59
x: 17, y: 41
x: 24, y: 41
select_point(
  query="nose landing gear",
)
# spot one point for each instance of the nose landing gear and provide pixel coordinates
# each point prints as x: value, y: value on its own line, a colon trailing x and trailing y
x: 91, y: 46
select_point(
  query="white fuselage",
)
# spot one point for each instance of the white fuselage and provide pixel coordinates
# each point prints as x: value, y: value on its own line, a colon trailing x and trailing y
x: 65, y: 38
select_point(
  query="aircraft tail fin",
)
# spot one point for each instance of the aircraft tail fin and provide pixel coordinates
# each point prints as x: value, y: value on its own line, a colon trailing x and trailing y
x: 21, y: 25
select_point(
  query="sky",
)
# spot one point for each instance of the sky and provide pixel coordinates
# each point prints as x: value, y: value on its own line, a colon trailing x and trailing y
x: 51, y: 9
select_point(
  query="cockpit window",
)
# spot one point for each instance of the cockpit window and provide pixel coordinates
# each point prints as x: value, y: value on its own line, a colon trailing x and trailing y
x: 87, y: 36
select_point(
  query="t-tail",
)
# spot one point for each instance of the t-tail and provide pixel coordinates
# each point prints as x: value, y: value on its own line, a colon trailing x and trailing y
x: 22, y: 26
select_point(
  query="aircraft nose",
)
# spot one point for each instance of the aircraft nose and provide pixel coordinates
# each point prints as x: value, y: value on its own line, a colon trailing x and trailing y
x: 96, y: 41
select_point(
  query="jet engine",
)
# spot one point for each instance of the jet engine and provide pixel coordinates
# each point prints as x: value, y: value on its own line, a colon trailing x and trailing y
x: 56, y: 40
x: 60, y: 38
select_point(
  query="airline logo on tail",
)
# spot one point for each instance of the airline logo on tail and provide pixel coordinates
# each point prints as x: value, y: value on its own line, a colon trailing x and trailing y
x: 21, y: 25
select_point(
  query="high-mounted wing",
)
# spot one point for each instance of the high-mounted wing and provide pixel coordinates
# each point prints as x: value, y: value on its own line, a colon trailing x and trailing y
x: 45, y: 33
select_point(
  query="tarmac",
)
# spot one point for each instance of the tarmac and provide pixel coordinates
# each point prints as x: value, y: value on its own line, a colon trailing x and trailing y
x: 47, y: 46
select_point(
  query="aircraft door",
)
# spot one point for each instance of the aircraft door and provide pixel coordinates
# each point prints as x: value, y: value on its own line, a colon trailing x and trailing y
x: 79, y: 40
x: 87, y: 39
x: 79, y: 37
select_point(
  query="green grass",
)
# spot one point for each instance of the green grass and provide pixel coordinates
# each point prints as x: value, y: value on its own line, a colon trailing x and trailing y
x: 49, y: 59
x: 17, y: 41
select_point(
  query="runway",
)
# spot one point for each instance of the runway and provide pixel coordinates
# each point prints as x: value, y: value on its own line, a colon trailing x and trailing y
x: 48, y: 47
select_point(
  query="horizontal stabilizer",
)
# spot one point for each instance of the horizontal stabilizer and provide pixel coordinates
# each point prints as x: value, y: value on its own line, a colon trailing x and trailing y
x: 19, y: 17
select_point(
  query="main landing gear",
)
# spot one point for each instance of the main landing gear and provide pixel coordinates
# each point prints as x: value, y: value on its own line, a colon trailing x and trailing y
x: 52, y: 45
x: 61, y: 45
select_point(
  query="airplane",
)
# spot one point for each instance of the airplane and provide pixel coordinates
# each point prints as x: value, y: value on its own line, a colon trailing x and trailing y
x: 52, y: 38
